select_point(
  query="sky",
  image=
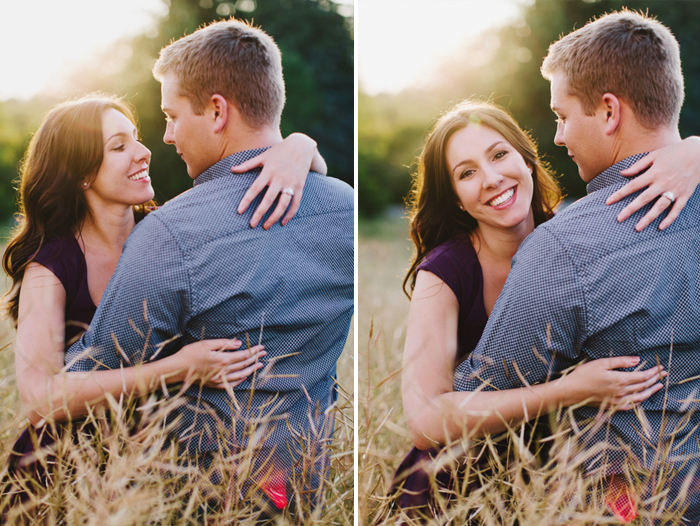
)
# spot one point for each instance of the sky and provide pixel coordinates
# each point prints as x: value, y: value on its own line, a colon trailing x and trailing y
x: 43, y: 39
x: 399, y: 42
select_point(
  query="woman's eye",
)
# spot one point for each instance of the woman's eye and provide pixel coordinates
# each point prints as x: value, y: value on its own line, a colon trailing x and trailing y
x: 118, y: 148
x: 466, y: 173
x: 500, y: 155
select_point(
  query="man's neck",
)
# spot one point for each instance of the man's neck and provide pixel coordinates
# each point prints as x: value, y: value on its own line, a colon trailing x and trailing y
x: 250, y: 139
x: 642, y: 140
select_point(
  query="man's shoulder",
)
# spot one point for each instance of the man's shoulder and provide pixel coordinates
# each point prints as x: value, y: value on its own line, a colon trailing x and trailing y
x: 215, y: 203
x: 319, y: 191
x: 325, y: 193
x: 588, y: 228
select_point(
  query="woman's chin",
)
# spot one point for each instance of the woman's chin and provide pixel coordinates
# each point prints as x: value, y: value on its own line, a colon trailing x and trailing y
x: 146, y: 197
x: 511, y: 221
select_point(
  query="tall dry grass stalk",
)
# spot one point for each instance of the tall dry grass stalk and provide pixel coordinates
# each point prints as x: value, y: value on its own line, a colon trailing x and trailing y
x: 510, y: 483
x: 120, y: 468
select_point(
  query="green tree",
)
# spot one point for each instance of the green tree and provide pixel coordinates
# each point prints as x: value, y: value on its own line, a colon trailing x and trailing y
x: 503, y: 65
x: 317, y: 58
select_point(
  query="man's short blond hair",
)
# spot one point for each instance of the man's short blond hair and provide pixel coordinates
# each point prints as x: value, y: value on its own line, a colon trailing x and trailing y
x: 232, y: 59
x: 628, y: 54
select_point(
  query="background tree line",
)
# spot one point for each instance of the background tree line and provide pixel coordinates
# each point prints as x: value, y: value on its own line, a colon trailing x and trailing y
x: 503, y: 66
x: 317, y: 57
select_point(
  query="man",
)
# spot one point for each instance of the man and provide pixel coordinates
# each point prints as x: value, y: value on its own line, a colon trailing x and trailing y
x: 584, y: 286
x: 194, y: 269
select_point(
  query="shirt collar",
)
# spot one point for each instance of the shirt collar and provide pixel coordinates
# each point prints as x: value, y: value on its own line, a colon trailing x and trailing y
x: 612, y: 174
x: 223, y: 167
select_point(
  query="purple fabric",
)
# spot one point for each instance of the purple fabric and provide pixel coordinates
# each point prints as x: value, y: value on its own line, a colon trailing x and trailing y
x: 454, y: 262
x: 62, y: 255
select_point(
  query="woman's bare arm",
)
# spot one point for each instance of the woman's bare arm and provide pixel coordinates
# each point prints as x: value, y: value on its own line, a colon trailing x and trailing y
x: 49, y: 392
x: 437, y: 415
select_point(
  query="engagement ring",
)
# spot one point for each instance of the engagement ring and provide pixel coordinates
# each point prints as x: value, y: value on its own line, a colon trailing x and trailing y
x: 669, y: 196
x: 290, y: 192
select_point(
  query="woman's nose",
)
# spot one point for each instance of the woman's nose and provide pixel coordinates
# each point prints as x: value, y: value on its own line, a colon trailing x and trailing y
x: 144, y: 154
x: 492, y: 177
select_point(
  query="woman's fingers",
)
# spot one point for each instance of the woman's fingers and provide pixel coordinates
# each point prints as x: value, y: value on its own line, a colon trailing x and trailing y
x: 630, y: 188
x: 673, y: 214
x: 219, y: 344
x: 629, y: 402
x: 255, y: 162
x: 641, y: 164
x: 621, y: 362
x: 273, y: 190
x: 234, y: 378
x: 238, y: 358
x: 643, y: 384
x: 639, y: 377
x: 243, y: 373
x: 258, y: 186
x: 643, y: 199
x: 282, y: 205
x: 294, y: 206
x: 662, y: 203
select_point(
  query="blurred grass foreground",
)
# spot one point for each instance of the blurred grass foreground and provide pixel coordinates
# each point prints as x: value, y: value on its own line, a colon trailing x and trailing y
x: 121, y: 469
x: 519, y: 487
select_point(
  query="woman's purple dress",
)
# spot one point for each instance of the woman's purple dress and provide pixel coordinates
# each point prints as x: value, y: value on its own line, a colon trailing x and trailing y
x: 454, y: 262
x: 62, y: 255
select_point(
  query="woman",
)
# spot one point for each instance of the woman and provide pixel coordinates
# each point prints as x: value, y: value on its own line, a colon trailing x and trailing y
x: 480, y: 190
x: 84, y: 185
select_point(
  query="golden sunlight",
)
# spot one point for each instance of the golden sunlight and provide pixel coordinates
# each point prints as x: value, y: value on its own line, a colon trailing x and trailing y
x: 399, y: 42
x: 43, y: 39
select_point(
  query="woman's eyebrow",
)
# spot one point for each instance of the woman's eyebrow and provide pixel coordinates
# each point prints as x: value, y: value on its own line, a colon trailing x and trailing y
x: 490, y: 148
x: 118, y: 134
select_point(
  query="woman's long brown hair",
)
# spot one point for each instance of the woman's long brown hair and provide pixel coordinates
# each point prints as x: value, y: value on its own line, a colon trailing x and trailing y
x: 433, y: 204
x: 66, y: 151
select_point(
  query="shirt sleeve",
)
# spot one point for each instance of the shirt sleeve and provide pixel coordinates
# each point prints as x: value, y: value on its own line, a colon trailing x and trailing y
x: 538, y: 324
x: 145, y: 307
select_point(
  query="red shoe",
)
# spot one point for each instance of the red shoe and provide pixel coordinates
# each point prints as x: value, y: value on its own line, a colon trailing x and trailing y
x: 275, y: 487
x: 621, y: 499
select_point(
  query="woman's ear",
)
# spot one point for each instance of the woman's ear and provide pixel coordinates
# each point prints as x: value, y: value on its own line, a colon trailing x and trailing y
x: 85, y: 184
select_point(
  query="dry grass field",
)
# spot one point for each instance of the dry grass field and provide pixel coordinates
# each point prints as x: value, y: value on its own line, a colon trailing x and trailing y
x: 122, y: 475
x: 522, y: 490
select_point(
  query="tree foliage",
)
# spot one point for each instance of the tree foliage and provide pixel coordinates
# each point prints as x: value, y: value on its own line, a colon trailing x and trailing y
x: 503, y: 65
x: 317, y: 58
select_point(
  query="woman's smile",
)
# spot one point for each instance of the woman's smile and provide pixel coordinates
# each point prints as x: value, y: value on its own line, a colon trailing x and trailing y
x: 491, y: 180
x: 141, y: 175
x: 504, y: 199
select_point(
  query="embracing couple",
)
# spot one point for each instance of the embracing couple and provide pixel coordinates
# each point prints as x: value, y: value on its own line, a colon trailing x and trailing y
x: 164, y: 291
x: 596, y: 313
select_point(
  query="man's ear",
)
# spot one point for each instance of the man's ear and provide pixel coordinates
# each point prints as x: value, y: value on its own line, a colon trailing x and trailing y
x: 611, y: 108
x: 220, y: 109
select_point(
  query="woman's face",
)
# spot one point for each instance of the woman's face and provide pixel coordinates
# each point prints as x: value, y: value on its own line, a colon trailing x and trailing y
x: 123, y: 175
x: 491, y: 179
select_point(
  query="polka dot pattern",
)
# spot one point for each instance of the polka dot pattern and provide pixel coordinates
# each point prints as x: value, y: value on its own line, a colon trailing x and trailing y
x: 584, y: 286
x: 194, y: 269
